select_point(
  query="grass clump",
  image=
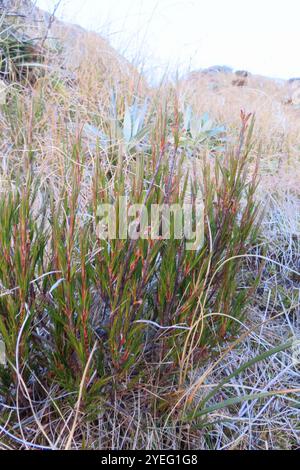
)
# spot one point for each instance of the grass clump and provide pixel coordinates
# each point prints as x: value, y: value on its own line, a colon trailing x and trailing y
x: 132, y: 342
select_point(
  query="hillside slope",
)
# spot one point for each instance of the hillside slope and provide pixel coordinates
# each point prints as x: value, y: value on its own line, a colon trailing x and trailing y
x: 140, y: 340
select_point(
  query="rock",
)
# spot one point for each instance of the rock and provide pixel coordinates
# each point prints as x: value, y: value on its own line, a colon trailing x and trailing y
x: 217, y: 69
x: 287, y: 101
x: 239, y: 82
x: 242, y: 73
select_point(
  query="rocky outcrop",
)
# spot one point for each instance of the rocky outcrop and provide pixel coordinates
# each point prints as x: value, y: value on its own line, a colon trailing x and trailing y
x: 242, y: 73
x: 294, y: 80
x: 241, y: 78
x: 77, y: 47
x: 217, y: 69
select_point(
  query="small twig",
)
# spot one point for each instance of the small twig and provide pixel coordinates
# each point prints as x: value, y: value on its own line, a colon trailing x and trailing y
x: 77, y: 406
x: 50, y: 22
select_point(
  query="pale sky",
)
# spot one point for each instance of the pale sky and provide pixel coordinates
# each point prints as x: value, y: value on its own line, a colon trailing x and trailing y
x: 262, y: 36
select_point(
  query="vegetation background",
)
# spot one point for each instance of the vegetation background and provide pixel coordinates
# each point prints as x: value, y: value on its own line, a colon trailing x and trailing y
x: 140, y: 344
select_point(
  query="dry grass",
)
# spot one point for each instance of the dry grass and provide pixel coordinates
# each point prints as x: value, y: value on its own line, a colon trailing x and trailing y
x: 42, y: 125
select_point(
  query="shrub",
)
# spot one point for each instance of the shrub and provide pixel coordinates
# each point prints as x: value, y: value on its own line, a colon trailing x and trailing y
x: 132, y: 309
